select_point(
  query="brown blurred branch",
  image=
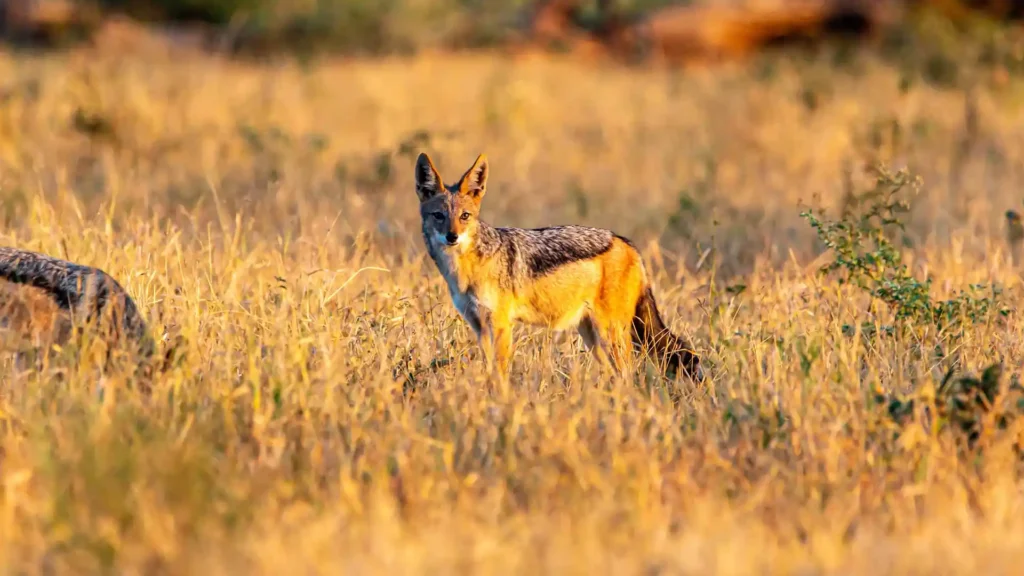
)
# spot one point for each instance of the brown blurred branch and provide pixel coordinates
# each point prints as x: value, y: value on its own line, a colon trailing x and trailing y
x: 681, y: 34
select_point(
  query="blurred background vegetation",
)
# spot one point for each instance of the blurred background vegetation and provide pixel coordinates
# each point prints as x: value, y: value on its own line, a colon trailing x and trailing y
x: 350, y: 26
x: 939, y: 30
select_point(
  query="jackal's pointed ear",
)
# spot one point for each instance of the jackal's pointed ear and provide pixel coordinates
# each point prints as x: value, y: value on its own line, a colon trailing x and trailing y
x: 428, y: 181
x: 474, y: 181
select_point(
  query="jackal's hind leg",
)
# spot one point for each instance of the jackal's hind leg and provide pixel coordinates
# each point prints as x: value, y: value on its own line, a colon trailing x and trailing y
x: 619, y: 350
x: 594, y: 340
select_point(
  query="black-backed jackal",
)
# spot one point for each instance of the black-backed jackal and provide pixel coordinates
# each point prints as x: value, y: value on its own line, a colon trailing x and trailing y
x: 562, y: 277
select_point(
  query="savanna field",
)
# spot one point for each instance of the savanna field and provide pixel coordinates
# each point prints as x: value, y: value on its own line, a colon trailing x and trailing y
x: 327, y: 411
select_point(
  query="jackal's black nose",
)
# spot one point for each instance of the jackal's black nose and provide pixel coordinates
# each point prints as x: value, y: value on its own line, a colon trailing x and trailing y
x: 451, y: 238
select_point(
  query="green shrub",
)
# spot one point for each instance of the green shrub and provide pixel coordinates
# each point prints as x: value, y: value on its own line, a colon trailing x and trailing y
x: 865, y: 255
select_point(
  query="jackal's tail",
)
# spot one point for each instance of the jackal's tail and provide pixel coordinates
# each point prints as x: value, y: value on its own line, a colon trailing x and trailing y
x: 652, y: 337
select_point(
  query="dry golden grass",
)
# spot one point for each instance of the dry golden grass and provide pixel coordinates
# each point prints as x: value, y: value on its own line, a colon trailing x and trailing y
x: 330, y: 414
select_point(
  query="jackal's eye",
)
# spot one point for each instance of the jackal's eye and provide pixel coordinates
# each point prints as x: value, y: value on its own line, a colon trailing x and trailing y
x: 464, y: 217
x: 439, y: 216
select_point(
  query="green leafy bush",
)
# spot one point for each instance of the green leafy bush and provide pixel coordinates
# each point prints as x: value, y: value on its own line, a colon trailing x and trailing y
x: 866, y: 256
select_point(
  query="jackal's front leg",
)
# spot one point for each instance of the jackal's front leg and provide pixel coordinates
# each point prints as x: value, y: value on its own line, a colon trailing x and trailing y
x: 495, y: 338
x: 484, y: 328
x: 502, y: 347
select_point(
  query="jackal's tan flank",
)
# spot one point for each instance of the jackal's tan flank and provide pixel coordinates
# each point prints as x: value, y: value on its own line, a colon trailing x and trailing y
x: 562, y: 277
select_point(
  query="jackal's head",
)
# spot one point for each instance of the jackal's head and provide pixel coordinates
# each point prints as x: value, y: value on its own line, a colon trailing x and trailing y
x: 450, y: 212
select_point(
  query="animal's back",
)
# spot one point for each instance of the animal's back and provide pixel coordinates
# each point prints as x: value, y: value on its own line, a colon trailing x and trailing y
x: 543, y: 250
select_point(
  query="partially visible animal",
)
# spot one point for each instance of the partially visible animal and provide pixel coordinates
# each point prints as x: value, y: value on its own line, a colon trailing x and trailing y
x: 46, y: 301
